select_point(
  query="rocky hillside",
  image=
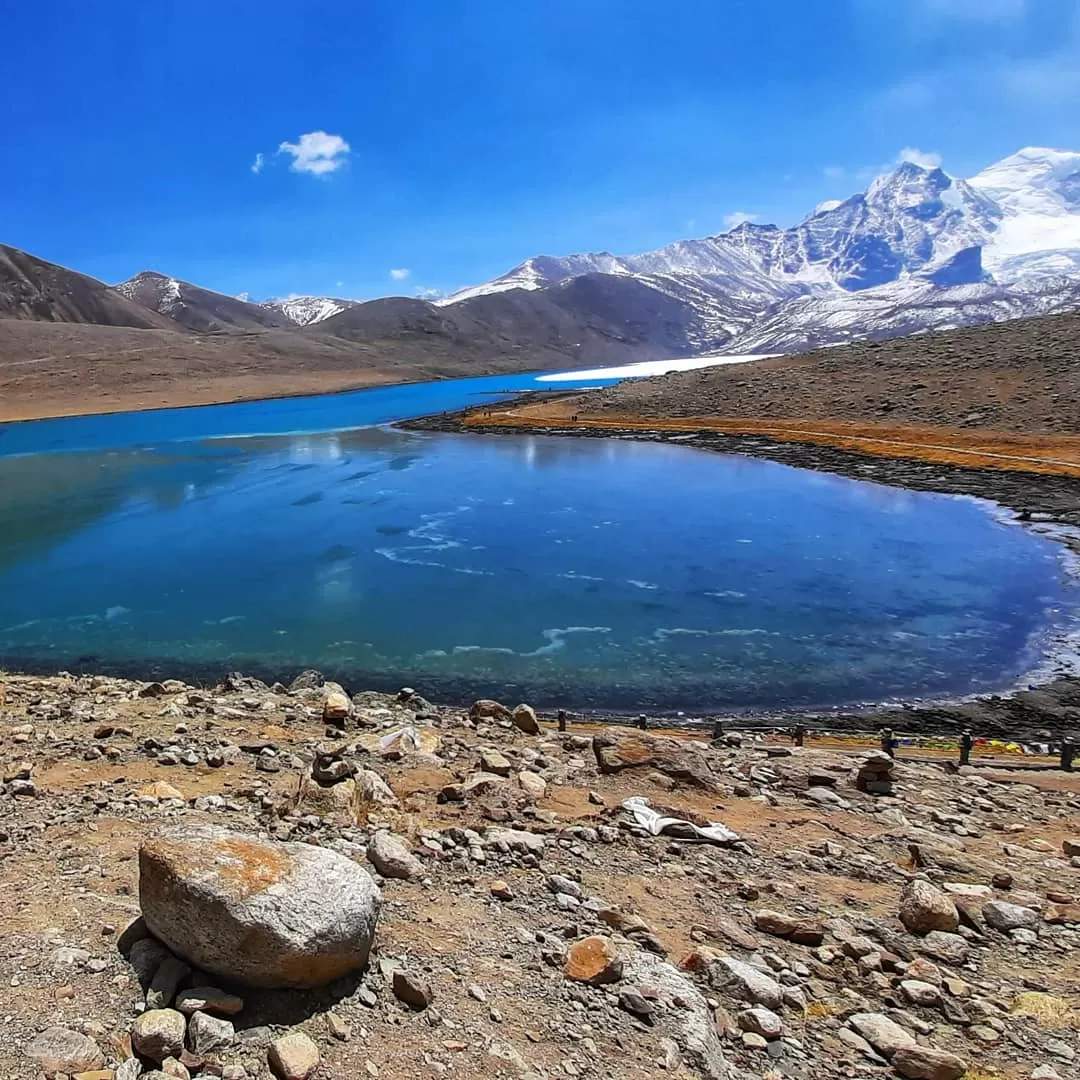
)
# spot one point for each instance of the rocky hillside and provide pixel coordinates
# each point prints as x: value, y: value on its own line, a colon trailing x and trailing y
x: 249, y: 881
x: 31, y: 288
x: 198, y: 309
x: 1019, y: 376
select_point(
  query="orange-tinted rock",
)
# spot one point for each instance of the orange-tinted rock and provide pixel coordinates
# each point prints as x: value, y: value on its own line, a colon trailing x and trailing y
x: 593, y: 960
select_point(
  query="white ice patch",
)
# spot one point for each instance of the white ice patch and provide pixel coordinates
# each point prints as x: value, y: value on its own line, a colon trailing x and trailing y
x: 556, y: 640
x: 664, y: 633
x: 645, y: 368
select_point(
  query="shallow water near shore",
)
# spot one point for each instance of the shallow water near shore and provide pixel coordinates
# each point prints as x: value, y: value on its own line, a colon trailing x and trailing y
x: 585, y: 573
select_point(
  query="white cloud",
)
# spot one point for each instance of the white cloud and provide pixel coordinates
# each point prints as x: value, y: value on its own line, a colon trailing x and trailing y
x: 400, y: 274
x: 922, y: 158
x: 430, y: 294
x: 834, y: 172
x: 257, y: 164
x: 737, y: 218
x: 316, y: 152
x: 339, y: 285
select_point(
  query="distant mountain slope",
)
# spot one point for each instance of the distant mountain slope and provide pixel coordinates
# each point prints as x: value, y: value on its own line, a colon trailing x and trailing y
x: 31, y: 288
x: 196, y: 308
x: 908, y: 242
x: 308, y: 310
x: 588, y: 320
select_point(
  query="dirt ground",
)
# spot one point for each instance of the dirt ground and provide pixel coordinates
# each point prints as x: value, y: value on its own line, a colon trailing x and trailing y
x: 97, y: 752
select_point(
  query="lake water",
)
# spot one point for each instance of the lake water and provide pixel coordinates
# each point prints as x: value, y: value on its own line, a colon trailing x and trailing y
x: 576, y: 572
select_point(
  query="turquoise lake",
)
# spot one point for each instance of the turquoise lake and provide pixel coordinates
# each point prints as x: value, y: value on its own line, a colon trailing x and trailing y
x: 269, y: 537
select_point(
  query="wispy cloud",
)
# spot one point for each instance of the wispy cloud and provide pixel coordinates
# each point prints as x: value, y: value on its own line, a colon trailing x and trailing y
x: 400, y: 274
x: 834, y: 172
x: 429, y: 294
x: 737, y: 218
x: 922, y: 158
x: 316, y: 152
x: 257, y: 164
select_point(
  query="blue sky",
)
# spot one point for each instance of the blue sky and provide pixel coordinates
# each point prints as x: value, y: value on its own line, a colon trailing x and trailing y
x: 480, y: 132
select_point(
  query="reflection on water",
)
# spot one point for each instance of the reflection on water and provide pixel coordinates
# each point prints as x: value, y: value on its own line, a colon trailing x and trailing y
x: 581, y: 572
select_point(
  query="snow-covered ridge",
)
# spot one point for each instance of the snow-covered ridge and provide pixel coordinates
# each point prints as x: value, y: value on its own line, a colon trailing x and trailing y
x: 913, y: 237
x: 306, y: 310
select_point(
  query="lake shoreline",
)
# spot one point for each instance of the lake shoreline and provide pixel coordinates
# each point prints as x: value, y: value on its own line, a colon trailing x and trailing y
x: 1047, y: 699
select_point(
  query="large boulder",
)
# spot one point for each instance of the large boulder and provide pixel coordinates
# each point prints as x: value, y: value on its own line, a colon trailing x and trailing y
x: 617, y: 749
x: 257, y: 912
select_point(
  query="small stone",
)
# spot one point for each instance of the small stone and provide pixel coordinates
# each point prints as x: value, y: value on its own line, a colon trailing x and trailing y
x: 208, y: 999
x: 524, y: 718
x: 337, y: 1027
x: 172, y: 1067
x: 884, y: 1035
x: 294, y: 1056
x: 491, y: 761
x: 593, y: 960
x: 762, y: 1021
x: 1045, y: 1072
x: 923, y: 908
x: 59, y: 1049
x: 557, y: 883
x: 635, y: 1003
x: 1071, y: 847
x: 920, y: 993
x: 411, y: 989
x: 1004, y: 916
x: 207, y: 1034
x: 753, y: 1041
x: 159, y: 1034
x: 746, y: 982
x: 501, y: 891
x: 390, y: 855
x: 533, y: 785
x: 926, y: 1063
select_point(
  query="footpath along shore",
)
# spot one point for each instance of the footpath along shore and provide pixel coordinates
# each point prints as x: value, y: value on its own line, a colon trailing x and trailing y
x: 845, y: 915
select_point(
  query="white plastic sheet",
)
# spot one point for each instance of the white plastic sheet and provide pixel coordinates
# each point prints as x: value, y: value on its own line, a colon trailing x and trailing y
x: 655, y: 823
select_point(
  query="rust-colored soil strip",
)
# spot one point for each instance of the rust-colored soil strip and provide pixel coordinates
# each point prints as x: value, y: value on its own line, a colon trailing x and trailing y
x: 1006, y: 450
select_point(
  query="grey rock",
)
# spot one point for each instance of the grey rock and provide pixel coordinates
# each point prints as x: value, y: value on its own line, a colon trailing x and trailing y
x: 1004, y: 916
x: 761, y: 1021
x: 928, y: 1063
x: 208, y: 1034
x: 166, y: 979
x: 686, y: 1014
x: 210, y: 1000
x: 746, y: 982
x: 59, y: 1049
x: 413, y: 990
x: 923, y: 908
x: 524, y: 717
x: 293, y: 1056
x: 391, y: 857
x: 159, y: 1034
x: 145, y: 957
x: 128, y: 1069
x: 884, y: 1035
x: 261, y: 913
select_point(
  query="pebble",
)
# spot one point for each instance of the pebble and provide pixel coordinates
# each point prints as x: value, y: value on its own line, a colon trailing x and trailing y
x: 293, y: 1056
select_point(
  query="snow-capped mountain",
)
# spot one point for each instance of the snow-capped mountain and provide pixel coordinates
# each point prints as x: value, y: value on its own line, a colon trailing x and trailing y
x: 305, y: 310
x: 918, y: 249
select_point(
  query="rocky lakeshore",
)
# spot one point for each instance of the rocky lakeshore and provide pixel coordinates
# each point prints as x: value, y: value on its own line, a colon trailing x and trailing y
x: 245, y: 881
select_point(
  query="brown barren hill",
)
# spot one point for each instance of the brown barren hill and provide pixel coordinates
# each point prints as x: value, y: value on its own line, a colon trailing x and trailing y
x: 1006, y: 394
